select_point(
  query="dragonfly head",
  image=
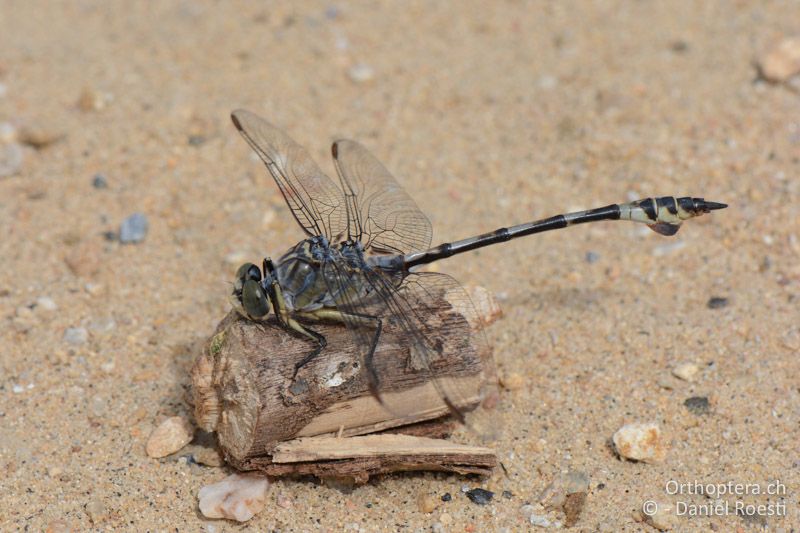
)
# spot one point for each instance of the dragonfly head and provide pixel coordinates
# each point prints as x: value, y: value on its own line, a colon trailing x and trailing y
x: 249, y: 297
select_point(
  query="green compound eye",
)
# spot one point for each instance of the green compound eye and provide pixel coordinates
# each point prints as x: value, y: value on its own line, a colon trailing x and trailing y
x: 248, y: 271
x: 254, y: 301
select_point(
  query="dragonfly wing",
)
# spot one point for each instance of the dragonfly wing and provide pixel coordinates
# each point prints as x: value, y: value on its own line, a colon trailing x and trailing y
x: 446, y: 344
x: 382, y: 215
x: 315, y: 200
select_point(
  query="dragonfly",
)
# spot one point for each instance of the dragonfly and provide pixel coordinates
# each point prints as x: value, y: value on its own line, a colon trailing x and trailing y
x: 365, y: 238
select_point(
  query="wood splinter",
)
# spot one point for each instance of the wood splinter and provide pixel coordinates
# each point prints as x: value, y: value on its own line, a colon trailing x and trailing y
x: 325, y: 422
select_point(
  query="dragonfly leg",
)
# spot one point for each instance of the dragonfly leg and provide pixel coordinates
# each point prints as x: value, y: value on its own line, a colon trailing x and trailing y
x: 360, y: 319
x: 310, y: 333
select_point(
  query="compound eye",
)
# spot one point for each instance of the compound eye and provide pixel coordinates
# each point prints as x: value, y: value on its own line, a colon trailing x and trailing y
x: 248, y: 271
x: 254, y: 301
x: 253, y: 273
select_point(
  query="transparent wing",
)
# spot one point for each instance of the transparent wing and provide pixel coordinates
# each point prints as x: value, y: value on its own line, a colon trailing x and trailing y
x: 383, y: 216
x: 315, y: 200
x: 444, y: 336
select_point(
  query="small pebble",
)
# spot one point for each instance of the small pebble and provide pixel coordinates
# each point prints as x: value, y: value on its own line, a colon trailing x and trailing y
x: 512, y: 381
x: 94, y: 289
x: 555, y: 494
x: 76, y: 336
x: 686, y: 371
x: 508, y: 494
x: 91, y: 100
x: 46, y: 303
x: 208, y: 457
x: 679, y: 46
x: 717, y: 302
x: 284, y: 501
x: 573, y: 507
x: 782, y: 61
x: 426, y: 503
x: 99, y: 181
x: 446, y: 497
x: 529, y: 512
x: 592, y: 257
x: 173, y: 434
x: 10, y: 159
x: 96, y: 511
x: 133, y: 229
x: 697, y: 405
x: 39, y: 135
x: 480, y: 496
x: 361, y: 73
x: 237, y: 497
x: 640, y: 442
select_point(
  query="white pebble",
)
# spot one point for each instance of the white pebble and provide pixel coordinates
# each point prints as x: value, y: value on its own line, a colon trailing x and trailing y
x: 237, y: 497
x: 781, y: 62
x: 640, y: 442
x: 173, y: 434
x: 361, y: 73
x: 76, y: 336
x: 686, y: 371
x: 45, y: 303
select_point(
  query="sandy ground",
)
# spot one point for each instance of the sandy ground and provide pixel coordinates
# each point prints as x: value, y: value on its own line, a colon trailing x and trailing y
x: 489, y: 117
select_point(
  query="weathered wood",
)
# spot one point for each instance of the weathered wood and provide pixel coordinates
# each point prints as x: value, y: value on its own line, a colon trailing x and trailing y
x: 364, y: 456
x: 243, y: 390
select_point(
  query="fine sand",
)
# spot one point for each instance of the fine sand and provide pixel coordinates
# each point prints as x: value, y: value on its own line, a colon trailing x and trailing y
x: 489, y: 116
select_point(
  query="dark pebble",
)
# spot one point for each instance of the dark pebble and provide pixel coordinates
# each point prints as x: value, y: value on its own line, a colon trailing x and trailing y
x: 368, y: 505
x: 508, y: 494
x: 679, y: 46
x: 717, y: 302
x: 196, y: 140
x: 480, y: 496
x: 592, y: 257
x: 110, y: 236
x: 133, y: 229
x: 446, y: 497
x: 601, y: 486
x: 697, y: 405
x: 99, y: 182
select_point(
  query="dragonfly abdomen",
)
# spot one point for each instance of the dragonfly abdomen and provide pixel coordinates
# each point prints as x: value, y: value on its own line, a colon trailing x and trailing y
x: 663, y: 215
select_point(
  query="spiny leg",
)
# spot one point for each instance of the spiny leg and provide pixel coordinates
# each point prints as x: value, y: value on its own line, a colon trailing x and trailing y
x: 318, y: 337
x: 353, y: 319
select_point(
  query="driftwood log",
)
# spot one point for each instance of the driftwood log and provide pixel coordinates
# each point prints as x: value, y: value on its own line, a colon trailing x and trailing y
x: 265, y: 420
